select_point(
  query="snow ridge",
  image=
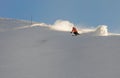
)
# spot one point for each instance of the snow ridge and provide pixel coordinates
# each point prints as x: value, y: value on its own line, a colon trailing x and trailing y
x: 59, y: 25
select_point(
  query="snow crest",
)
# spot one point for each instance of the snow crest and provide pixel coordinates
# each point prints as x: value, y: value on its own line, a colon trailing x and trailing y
x: 102, y: 30
x: 59, y: 25
x: 62, y: 25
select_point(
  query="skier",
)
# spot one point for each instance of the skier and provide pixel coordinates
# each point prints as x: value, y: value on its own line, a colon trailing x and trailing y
x: 74, y: 31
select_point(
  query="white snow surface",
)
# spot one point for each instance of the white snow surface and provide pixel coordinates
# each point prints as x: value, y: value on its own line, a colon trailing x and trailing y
x: 41, y: 51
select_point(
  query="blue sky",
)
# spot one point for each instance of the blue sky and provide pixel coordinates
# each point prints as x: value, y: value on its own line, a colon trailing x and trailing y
x: 85, y: 12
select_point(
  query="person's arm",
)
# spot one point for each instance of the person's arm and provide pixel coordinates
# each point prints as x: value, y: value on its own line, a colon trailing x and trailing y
x: 72, y: 31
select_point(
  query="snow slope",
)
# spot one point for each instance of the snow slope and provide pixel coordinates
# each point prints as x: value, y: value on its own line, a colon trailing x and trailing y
x: 40, y: 51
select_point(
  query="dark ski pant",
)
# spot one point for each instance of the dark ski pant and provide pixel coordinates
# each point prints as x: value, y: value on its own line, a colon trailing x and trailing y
x: 76, y: 33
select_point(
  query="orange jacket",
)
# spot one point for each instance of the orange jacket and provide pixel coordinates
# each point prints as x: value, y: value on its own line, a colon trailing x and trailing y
x: 74, y: 29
